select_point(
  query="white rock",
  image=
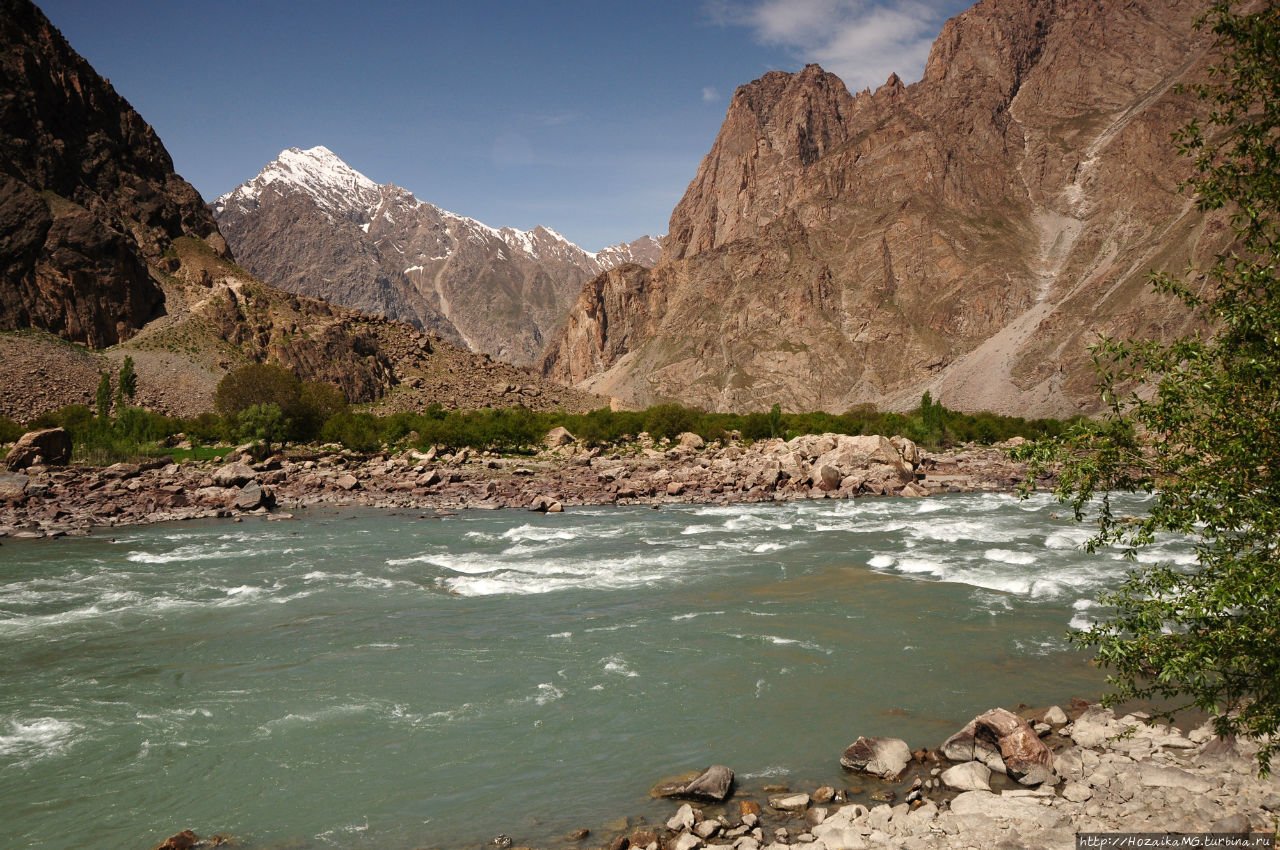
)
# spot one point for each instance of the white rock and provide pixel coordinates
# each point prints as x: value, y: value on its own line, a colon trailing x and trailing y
x: 688, y: 841
x: 970, y: 776
x: 1055, y: 716
x: 682, y: 819
x: 790, y: 803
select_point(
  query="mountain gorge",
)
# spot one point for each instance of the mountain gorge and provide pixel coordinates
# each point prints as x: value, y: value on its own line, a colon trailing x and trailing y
x: 970, y: 234
x: 313, y: 225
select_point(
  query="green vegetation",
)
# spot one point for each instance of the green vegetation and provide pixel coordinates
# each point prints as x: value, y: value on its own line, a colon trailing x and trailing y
x: 1198, y: 428
x: 10, y: 431
x: 126, y: 383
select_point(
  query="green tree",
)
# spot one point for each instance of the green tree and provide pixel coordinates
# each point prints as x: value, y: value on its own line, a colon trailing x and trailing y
x: 126, y: 383
x: 102, y: 398
x: 776, y: 428
x: 257, y: 384
x: 1195, y: 422
x: 316, y: 404
x: 262, y: 423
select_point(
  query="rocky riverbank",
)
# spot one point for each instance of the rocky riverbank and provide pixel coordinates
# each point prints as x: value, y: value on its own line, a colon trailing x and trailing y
x: 1004, y: 781
x: 39, y: 500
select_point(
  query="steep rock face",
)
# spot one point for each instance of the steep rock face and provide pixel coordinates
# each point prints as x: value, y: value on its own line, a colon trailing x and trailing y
x: 311, y: 224
x: 89, y: 201
x: 969, y: 234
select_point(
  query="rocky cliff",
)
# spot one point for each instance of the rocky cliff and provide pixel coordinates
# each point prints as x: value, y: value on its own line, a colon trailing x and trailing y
x: 313, y: 225
x: 89, y: 201
x: 969, y: 234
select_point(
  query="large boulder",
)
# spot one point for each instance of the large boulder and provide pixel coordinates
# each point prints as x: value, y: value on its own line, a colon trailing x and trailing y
x: 253, y: 496
x: 886, y: 758
x: 691, y: 442
x: 711, y: 785
x: 1004, y: 742
x: 557, y: 437
x: 234, y: 474
x: 49, y: 446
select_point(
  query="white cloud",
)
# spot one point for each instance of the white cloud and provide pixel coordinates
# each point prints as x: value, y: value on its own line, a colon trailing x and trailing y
x: 710, y: 94
x: 862, y: 41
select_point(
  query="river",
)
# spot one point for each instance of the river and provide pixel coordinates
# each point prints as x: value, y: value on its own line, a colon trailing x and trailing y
x: 363, y: 678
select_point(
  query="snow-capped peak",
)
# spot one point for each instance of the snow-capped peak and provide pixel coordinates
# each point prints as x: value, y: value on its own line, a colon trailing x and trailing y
x: 318, y: 171
x: 343, y: 193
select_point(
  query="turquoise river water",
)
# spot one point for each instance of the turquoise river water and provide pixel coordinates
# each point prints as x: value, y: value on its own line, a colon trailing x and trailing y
x: 364, y: 679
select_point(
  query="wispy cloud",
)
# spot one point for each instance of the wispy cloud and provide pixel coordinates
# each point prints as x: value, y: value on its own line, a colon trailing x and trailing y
x: 710, y: 94
x: 863, y: 41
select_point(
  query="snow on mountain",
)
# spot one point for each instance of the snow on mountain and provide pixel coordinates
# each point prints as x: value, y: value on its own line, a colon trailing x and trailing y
x: 312, y: 224
x: 341, y: 191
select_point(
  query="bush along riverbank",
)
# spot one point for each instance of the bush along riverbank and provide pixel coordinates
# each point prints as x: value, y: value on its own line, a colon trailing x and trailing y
x: 1005, y: 780
x: 40, y: 498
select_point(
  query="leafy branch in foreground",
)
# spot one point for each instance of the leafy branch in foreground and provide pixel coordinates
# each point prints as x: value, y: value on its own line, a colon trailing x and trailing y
x: 1198, y: 425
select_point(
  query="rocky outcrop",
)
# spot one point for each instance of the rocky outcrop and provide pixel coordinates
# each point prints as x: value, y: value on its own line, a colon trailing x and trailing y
x: 969, y: 234
x: 46, y: 447
x: 311, y: 224
x: 89, y: 201
x: 1005, y: 743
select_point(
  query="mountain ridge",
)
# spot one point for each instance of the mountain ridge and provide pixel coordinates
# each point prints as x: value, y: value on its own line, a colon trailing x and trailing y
x: 968, y: 234
x: 312, y: 224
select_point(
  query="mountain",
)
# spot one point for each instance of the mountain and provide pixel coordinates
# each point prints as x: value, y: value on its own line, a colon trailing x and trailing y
x: 105, y: 252
x: 313, y: 225
x: 969, y: 234
x: 89, y: 201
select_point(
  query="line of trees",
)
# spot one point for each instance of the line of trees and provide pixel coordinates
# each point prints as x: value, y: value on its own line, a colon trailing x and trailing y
x: 267, y: 405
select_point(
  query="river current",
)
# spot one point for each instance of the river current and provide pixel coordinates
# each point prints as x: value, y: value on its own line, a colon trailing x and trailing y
x: 362, y: 679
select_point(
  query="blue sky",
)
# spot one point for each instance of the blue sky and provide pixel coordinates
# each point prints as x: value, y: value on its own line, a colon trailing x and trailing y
x: 588, y: 117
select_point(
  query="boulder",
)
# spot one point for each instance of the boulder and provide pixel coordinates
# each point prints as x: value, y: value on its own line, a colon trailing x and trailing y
x: 50, y: 447
x: 545, y: 505
x: 687, y: 841
x: 682, y: 819
x: 826, y: 477
x: 1004, y: 742
x: 1095, y: 727
x: 970, y: 776
x: 691, y: 441
x: 907, y: 449
x: 714, y: 784
x: 557, y: 437
x: 185, y: 840
x: 883, y: 757
x: 253, y: 496
x: 234, y: 474
x: 675, y: 488
x: 347, y: 482
x: 706, y: 829
x: 790, y: 802
x: 1055, y: 716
